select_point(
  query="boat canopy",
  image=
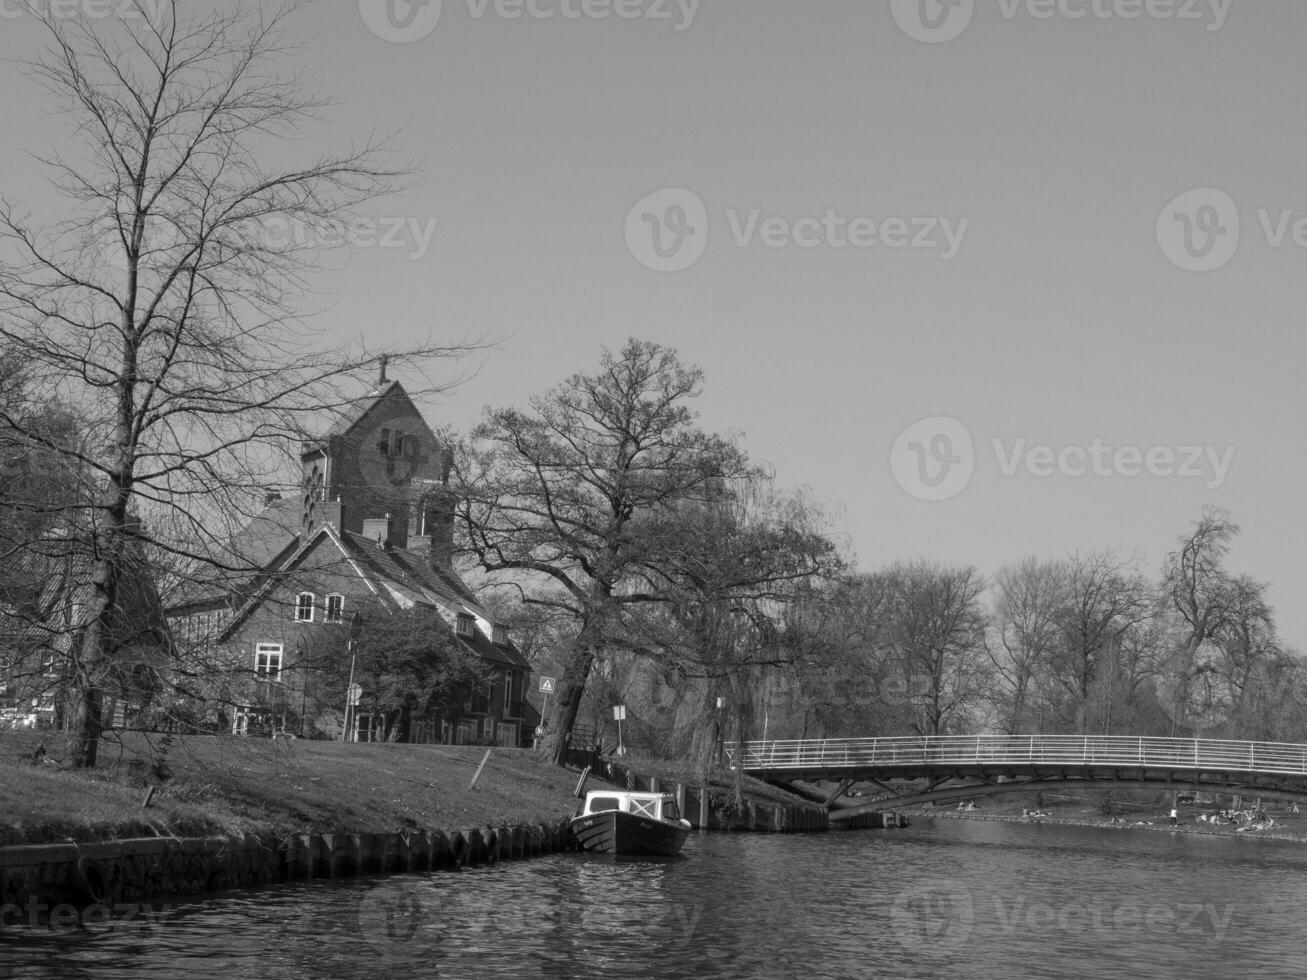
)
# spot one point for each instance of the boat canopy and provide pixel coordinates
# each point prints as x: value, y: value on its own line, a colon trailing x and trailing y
x: 656, y: 806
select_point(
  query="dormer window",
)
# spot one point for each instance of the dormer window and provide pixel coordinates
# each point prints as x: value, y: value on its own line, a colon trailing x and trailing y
x: 465, y: 626
x: 304, y: 607
x: 499, y: 634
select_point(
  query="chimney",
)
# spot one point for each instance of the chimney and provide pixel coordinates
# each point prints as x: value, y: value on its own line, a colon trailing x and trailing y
x: 378, y: 529
x: 438, y: 529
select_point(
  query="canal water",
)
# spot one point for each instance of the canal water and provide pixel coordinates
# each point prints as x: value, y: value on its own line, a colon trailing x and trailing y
x: 943, y: 898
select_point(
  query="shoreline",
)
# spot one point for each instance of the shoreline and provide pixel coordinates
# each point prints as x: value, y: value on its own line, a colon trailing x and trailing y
x: 1191, y: 827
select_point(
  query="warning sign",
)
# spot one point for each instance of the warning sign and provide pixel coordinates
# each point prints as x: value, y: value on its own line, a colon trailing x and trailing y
x: 546, y: 685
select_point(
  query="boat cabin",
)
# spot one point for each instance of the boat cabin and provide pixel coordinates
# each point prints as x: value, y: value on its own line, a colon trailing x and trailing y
x: 655, y: 806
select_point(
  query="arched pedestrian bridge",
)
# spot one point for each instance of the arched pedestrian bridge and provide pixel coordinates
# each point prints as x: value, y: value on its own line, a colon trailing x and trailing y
x: 967, y: 766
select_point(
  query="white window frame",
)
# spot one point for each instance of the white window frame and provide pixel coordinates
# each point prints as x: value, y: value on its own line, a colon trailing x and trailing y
x: 508, y: 692
x: 338, y: 615
x: 488, y: 727
x: 263, y: 668
x: 465, y: 626
x: 300, y: 607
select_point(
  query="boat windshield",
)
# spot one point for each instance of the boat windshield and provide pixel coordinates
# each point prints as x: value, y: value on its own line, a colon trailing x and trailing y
x: 670, y: 810
x: 600, y: 803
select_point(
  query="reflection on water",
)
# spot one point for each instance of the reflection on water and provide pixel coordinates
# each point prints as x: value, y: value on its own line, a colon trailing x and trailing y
x: 940, y: 899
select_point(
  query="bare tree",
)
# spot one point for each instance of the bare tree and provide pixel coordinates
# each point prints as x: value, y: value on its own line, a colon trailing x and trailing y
x: 1104, y: 599
x: 1023, y: 638
x: 935, y: 628
x: 1203, y: 598
x: 162, y: 307
x: 606, y: 501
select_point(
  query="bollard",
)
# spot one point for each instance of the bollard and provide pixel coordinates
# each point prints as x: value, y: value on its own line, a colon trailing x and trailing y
x: 299, y: 856
x: 458, y: 849
x: 420, y: 850
x: 490, y: 841
x: 371, y: 853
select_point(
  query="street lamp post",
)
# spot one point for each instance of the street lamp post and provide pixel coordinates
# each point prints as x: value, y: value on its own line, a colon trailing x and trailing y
x: 355, y: 627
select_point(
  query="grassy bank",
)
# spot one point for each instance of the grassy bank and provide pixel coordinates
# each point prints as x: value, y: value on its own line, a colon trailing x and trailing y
x: 235, y: 785
x: 224, y: 786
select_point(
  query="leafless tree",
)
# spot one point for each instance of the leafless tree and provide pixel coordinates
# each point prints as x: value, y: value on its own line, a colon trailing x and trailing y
x: 1024, y: 631
x: 1104, y: 599
x: 935, y: 628
x: 608, y: 505
x: 162, y: 307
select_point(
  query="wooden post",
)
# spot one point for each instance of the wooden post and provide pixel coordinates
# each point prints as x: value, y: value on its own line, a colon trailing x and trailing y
x: 704, y: 814
x: 653, y: 784
x: 484, y: 759
x: 580, y: 783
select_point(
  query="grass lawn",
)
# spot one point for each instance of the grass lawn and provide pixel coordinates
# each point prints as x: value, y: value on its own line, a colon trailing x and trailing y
x: 234, y: 785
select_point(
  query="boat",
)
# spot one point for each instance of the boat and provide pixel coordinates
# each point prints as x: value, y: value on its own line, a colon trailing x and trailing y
x: 613, y: 822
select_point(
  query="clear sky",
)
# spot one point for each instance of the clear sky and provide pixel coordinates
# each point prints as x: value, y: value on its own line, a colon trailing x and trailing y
x: 1061, y: 232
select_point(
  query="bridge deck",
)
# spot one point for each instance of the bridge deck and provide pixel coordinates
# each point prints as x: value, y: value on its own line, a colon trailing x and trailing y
x: 906, y: 756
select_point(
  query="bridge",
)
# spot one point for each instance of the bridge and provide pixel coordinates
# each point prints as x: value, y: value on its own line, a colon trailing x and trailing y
x: 966, y: 766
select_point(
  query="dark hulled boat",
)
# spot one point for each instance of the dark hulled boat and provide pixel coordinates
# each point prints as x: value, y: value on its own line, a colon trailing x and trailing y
x: 612, y: 822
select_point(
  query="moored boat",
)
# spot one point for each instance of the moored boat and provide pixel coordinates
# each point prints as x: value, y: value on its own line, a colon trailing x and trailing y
x: 617, y: 822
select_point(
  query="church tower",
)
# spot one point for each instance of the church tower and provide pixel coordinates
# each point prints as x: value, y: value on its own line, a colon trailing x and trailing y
x: 383, y: 471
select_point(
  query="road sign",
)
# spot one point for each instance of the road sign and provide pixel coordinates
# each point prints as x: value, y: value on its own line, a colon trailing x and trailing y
x: 619, y: 712
x: 547, y: 685
x: 540, y: 730
x: 355, y: 692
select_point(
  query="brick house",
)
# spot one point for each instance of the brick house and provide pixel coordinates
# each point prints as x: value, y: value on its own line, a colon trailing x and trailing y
x: 373, y: 528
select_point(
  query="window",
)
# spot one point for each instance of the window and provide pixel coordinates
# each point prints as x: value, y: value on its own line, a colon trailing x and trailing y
x: 499, y: 634
x: 465, y: 627
x: 304, y: 607
x: 335, y: 609
x: 508, y: 693
x: 488, y: 728
x: 267, y: 661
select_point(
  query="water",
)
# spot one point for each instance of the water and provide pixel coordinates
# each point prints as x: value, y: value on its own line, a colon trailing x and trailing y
x: 945, y: 898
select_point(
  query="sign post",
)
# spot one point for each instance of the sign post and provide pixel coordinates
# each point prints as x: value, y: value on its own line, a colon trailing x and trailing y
x: 546, y: 688
x: 619, y: 713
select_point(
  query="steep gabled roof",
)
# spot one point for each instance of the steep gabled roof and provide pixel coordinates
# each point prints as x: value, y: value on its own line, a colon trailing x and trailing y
x: 360, y: 410
x: 400, y: 579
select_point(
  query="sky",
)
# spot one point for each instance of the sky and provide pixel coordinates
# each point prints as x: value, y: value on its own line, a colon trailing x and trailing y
x: 986, y: 279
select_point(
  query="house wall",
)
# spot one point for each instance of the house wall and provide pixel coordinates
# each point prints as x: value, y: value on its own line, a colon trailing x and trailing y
x: 327, y: 571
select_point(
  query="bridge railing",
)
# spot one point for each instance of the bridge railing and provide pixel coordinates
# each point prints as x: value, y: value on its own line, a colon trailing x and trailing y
x: 972, y: 750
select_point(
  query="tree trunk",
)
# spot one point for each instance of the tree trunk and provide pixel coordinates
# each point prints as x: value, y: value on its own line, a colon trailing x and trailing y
x: 86, y: 720
x: 562, y: 715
